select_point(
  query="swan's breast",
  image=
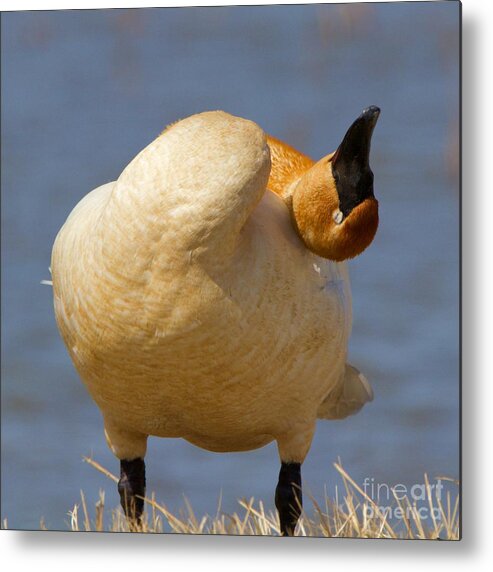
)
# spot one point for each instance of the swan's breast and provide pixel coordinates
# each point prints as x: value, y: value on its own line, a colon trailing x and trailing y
x: 198, y: 342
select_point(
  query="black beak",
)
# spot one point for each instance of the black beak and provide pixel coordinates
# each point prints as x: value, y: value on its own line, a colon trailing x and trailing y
x: 351, y: 162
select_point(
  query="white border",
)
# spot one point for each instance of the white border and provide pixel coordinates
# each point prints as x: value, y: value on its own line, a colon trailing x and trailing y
x: 61, y: 551
x: 87, y: 4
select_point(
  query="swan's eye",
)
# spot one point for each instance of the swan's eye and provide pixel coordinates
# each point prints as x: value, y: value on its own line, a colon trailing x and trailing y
x: 337, y: 216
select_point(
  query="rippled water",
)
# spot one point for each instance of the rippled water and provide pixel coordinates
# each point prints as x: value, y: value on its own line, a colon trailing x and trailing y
x: 84, y: 91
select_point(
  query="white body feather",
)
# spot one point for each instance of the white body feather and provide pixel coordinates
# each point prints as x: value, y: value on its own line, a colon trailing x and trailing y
x: 191, y: 308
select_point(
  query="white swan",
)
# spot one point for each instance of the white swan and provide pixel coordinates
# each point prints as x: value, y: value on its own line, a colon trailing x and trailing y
x: 193, y: 301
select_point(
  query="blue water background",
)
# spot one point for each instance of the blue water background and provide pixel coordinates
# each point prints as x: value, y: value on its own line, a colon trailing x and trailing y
x: 84, y: 91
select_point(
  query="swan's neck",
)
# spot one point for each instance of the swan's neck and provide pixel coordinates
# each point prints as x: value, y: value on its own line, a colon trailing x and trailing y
x: 288, y: 165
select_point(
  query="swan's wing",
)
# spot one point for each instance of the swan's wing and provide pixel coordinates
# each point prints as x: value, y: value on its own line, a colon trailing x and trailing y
x: 71, y: 258
x: 196, y: 184
x: 348, y: 397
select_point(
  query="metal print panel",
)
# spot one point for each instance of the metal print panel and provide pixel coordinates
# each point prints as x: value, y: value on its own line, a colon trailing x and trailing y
x: 251, y: 220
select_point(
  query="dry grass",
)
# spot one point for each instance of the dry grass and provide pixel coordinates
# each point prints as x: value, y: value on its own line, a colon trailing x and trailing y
x: 354, y: 515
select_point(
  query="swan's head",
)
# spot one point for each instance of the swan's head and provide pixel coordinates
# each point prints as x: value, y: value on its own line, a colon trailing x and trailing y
x: 333, y: 204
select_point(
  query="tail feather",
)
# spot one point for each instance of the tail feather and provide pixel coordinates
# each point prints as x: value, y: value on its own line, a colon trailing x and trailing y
x: 348, y: 397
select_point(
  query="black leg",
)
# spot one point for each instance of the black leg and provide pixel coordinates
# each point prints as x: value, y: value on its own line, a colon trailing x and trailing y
x: 132, y: 483
x: 289, y: 499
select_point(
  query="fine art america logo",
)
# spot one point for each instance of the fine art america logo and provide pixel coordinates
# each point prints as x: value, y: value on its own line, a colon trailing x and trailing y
x: 401, y: 501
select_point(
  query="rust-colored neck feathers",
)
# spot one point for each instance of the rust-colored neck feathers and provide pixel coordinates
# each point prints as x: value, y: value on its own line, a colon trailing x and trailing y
x: 310, y: 192
x: 288, y: 165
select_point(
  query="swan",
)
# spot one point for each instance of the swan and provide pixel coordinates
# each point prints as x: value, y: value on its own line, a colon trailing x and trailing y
x: 204, y: 295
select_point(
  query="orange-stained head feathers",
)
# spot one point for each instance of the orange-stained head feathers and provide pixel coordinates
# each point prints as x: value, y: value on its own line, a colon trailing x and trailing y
x: 332, y: 201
